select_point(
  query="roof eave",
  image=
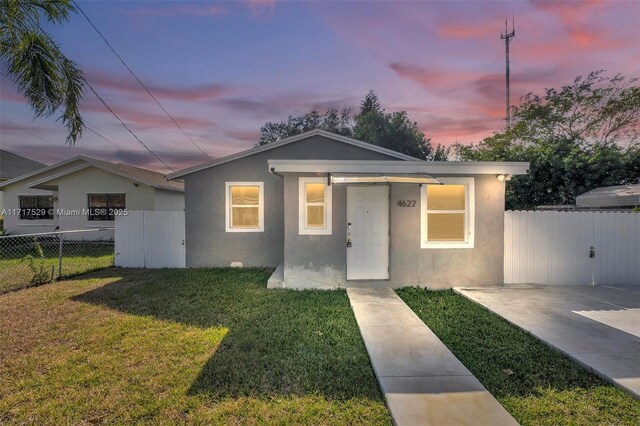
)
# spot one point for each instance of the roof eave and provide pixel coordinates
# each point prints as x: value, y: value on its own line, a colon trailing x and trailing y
x: 262, y: 148
x: 386, y: 166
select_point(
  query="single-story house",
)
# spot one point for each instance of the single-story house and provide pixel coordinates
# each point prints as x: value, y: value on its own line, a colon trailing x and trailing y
x: 330, y: 211
x: 84, y: 193
x: 14, y: 165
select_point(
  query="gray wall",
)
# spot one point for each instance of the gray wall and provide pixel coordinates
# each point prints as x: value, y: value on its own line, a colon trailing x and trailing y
x: 315, y: 260
x: 445, y: 268
x: 319, y: 261
x: 207, y: 243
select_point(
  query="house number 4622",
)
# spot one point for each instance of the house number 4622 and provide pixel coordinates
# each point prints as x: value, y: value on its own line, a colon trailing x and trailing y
x: 407, y: 203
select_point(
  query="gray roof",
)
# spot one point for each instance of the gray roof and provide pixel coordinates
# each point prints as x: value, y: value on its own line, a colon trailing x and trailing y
x: 301, y: 136
x: 14, y: 165
x: 136, y: 174
x: 610, y: 196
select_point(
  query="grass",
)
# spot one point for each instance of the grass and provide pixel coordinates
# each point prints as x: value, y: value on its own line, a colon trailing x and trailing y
x: 182, y: 347
x: 78, y: 258
x: 537, y: 385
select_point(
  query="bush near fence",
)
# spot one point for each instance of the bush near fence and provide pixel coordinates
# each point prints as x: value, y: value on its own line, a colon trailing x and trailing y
x: 33, y: 259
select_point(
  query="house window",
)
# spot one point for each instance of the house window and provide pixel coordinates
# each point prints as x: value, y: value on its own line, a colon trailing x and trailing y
x: 34, y: 207
x: 314, y: 206
x: 244, y: 207
x: 447, y: 212
x: 105, y: 206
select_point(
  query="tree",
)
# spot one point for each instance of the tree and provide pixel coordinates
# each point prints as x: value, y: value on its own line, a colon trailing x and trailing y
x: 372, y: 124
x: 331, y: 120
x: 370, y: 103
x: 580, y: 137
x: 47, y: 78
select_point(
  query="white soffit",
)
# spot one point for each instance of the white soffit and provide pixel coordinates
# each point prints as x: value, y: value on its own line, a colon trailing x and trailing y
x: 390, y: 167
x: 381, y: 178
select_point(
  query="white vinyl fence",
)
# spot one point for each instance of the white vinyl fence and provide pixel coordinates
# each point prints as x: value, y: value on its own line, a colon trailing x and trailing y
x: 554, y: 248
x: 150, y: 239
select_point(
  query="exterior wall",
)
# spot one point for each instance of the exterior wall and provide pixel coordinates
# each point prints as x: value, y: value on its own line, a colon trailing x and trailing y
x: 72, y: 195
x: 315, y: 261
x: 319, y: 261
x: 481, y: 265
x: 12, y: 223
x: 207, y: 243
x: 74, y: 188
x: 168, y: 200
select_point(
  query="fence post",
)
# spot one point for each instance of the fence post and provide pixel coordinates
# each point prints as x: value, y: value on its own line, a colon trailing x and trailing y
x: 59, y: 256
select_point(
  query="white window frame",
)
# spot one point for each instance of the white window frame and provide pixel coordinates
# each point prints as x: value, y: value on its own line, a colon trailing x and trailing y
x: 228, y: 211
x: 302, y: 207
x: 469, y: 223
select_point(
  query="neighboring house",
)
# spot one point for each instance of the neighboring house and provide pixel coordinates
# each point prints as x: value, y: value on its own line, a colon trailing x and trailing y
x: 330, y: 211
x: 14, y: 165
x: 84, y: 193
x: 621, y: 197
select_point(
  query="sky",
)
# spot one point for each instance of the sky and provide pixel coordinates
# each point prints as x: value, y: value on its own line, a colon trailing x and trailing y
x: 223, y: 69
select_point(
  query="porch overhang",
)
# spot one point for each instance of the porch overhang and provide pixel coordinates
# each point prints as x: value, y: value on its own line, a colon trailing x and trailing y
x: 399, y: 168
x: 422, y: 179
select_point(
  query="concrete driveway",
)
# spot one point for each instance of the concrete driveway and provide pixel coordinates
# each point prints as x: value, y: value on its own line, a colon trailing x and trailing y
x: 599, y: 327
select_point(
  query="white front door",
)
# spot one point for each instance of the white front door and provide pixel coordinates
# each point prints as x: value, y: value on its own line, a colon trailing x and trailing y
x: 368, y: 232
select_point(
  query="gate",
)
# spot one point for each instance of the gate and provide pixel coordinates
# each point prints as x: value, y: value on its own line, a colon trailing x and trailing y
x: 150, y: 239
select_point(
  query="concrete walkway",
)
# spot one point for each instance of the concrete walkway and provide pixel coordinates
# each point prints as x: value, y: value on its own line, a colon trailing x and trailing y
x: 598, y: 327
x: 422, y: 381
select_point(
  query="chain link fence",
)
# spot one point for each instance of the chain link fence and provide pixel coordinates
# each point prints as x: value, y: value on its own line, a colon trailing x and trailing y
x: 33, y: 259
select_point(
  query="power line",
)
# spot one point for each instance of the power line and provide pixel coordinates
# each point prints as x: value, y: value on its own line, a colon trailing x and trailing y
x: 95, y: 132
x: 27, y: 131
x: 139, y: 81
x: 109, y: 108
x: 120, y: 147
x: 125, y: 126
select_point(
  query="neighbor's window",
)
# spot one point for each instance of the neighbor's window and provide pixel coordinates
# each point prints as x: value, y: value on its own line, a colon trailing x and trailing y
x: 36, y: 207
x: 314, y: 206
x: 105, y: 206
x: 245, y: 207
x: 448, y: 214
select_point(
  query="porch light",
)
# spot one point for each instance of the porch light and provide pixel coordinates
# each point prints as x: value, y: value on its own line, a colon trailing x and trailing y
x: 501, y: 178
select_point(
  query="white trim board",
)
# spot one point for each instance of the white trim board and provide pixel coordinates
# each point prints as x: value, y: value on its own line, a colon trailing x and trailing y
x: 399, y: 167
x: 227, y: 207
x: 302, y: 207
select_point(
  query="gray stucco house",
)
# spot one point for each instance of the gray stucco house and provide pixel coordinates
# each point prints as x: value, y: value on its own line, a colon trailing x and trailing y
x: 329, y: 211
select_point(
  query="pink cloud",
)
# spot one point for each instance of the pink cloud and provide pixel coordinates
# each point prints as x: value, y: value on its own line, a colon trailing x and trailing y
x: 144, y: 118
x: 569, y: 12
x: 464, y: 29
x: 129, y: 86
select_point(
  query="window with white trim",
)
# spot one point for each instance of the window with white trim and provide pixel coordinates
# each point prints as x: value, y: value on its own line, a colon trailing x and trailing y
x: 314, y: 206
x: 244, y: 206
x: 447, y: 213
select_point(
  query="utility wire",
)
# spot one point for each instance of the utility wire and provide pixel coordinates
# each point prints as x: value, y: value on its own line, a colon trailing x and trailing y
x: 95, y: 132
x: 120, y: 147
x: 27, y: 131
x: 139, y: 81
x: 125, y: 126
x: 111, y: 110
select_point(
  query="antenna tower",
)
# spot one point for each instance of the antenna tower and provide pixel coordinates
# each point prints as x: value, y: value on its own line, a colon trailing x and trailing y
x: 507, y: 37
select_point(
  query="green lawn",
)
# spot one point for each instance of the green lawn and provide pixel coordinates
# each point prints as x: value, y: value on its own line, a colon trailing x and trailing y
x: 536, y: 384
x: 182, y: 346
x: 78, y: 258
